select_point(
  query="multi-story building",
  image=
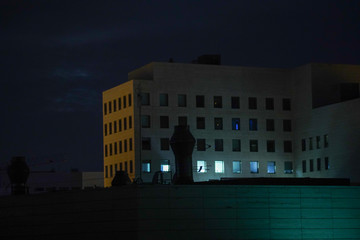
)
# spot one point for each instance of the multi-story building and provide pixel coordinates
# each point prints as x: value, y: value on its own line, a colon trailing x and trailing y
x: 247, y: 122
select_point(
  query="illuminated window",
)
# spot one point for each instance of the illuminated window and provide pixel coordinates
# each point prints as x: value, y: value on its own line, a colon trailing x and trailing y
x: 253, y: 124
x: 201, y: 144
x: 119, y: 103
x: 236, y: 124
x: 326, y: 141
x: 271, y: 167
x: 131, y: 166
x: 105, y: 129
x: 318, y: 142
x: 270, y: 125
x: 130, y: 144
x: 269, y: 104
x: 129, y: 100
x: 164, y: 100
x: 110, y: 107
x: 146, y: 143
x: 125, y: 123
x: 182, y: 121
x: 106, y: 172
x: 311, y: 165
x: 200, y: 123
x: 217, y: 102
x: 219, y: 145
x: 114, y: 103
x: 318, y: 165
x: 115, y: 148
x: 287, y: 125
x: 110, y: 149
x: 303, y: 144
x: 181, y: 100
x: 201, y: 166
x: 164, y: 121
x: 236, y: 145
x: 288, y: 167
x: 286, y: 104
x: 105, y: 108
x: 235, y: 102
x: 236, y: 166
x: 287, y: 146
x: 254, y: 167
x: 111, y: 170
x: 145, y: 99
x: 115, y: 126
x: 270, y: 146
x: 219, y: 166
x: 311, y: 143
x: 164, y: 144
x: 165, y: 165
x: 200, y: 101
x: 125, y: 145
x: 106, y: 150
x: 124, y: 101
x: 110, y: 128
x: 146, y: 166
x: 130, y: 122
x: 120, y: 146
x: 120, y: 125
x: 145, y: 121
x: 304, y: 166
x: 218, y: 124
x: 327, y: 163
x: 253, y: 145
x: 252, y: 103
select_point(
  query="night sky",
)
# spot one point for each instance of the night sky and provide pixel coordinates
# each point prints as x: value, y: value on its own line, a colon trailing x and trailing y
x: 58, y: 56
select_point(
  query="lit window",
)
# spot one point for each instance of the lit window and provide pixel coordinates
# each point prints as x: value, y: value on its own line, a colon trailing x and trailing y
x: 254, y: 167
x: 235, y: 102
x: 269, y: 104
x: 146, y: 143
x: 200, y: 101
x: 182, y: 100
x: 219, y: 166
x: 164, y: 144
x: 253, y: 124
x: 164, y: 100
x: 200, y: 144
x: 145, y: 99
x: 200, y: 123
x: 146, y: 166
x: 236, y: 124
x: 165, y: 165
x: 270, y: 125
x: 288, y: 167
x: 218, y: 124
x: 236, y: 145
x: 217, y: 102
x: 145, y: 121
x: 253, y: 145
x: 236, y: 166
x: 219, y: 145
x: 252, y: 103
x: 201, y: 166
x: 271, y: 167
x: 164, y: 121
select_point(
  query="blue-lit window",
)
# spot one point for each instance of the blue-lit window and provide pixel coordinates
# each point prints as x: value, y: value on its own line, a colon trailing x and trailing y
x: 236, y: 124
x: 236, y: 166
x: 201, y: 166
x: 219, y: 166
x: 271, y: 167
x: 254, y: 167
x: 253, y: 124
x: 165, y: 165
x: 146, y: 166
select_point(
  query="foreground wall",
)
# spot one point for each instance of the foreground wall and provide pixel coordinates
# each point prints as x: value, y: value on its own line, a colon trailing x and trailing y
x: 186, y: 212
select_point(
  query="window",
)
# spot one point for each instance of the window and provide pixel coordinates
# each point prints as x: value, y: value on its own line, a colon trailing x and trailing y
x: 304, y: 166
x: 271, y: 167
x: 129, y: 100
x: 125, y: 145
x: 236, y: 124
x: 181, y: 100
x: 219, y: 166
x: 165, y: 165
x: 287, y: 146
x: 164, y: 100
x: 111, y: 170
x: 131, y: 166
x: 105, y: 129
x: 219, y: 145
x: 114, y: 104
x: 110, y: 149
x: 326, y: 141
x: 287, y: 125
x: 236, y: 145
x: 235, y: 102
x: 318, y: 142
x: 130, y: 144
x: 164, y: 144
x: 125, y: 123
x: 110, y: 108
x: 115, y: 126
x: 254, y: 167
x: 130, y: 122
x: 126, y: 166
x: 270, y: 145
x: 218, y: 124
x: 269, y: 104
x: 288, y: 167
x: 119, y: 103
x: 120, y: 126
x: 252, y: 103
x: 120, y: 146
x: 146, y: 143
x: 200, y: 144
x: 318, y: 165
x: 311, y: 165
x: 253, y: 124
x: 217, y: 102
x: 110, y: 128
x: 182, y: 121
x: 310, y: 143
x: 106, y: 150
x: 303, y: 144
x: 124, y: 101
x: 115, y: 148
x: 145, y: 121
x: 236, y: 166
x: 200, y: 123
x: 270, y: 125
x: 201, y: 166
x: 145, y: 99
x: 105, y: 109
x: 164, y: 122
x: 286, y: 104
x: 146, y: 166
x: 200, y: 101
x: 253, y: 145
x: 327, y: 163
x: 106, y: 172
x: 121, y: 166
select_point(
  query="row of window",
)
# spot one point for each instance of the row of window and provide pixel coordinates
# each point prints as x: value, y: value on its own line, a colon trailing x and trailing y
x: 117, y: 126
x: 218, y: 123
x: 117, y: 104
x: 118, y: 147
x: 317, y: 142
x: 111, y: 170
x: 219, y: 167
x: 217, y: 101
x: 311, y: 163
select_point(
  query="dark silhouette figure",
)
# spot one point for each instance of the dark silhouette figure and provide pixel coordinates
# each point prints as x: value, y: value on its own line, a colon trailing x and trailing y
x: 18, y: 172
x: 121, y: 178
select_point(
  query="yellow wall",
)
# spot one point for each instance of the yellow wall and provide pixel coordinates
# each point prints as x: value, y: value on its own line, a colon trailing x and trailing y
x: 124, y: 113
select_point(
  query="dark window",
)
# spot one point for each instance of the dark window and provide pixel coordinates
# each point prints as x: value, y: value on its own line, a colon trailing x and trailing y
x: 253, y: 145
x: 182, y: 121
x: 311, y: 165
x: 318, y: 165
x: 287, y: 146
x: 110, y: 149
x: 218, y: 124
x: 126, y: 166
x: 303, y: 144
x: 125, y: 123
x: 235, y: 102
x: 304, y: 166
x: 326, y: 141
x: 125, y: 145
x: 286, y: 104
x: 318, y: 142
x: 106, y: 150
x: 121, y: 166
x: 236, y: 145
x: 124, y: 101
x: 130, y: 144
x: 130, y: 122
x: 131, y: 166
x: 145, y: 121
x: 120, y: 126
x: 270, y: 146
x: 145, y: 99
x: 130, y: 100
x: 164, y: 144
x: 105, y: 108
x: 164, y: 100
x: 200, y: 123
x: 115, y: 148
x: 270, y: 125
x: 164, y: 122
x: 146, y: 143
x: 217, y: 102
x: 119, y: 103
x: 115, y: 126
x: 252, y: 103
x: 106, y: 172
x: 327, y: 163
x: 236, y: 124
x: 219, y: 145
x: 182, y: 100
x: 200, y: 101
x: 110, y: 107
x: 288, y: 167
x: 105, y: 129
x: 120, y: 146
x: 253, y: 124
x: 311, y: 143
x: 269, y: 104
x: 287, y: 125
x: 114, y: 103
x: 110, y: 128
x: 201, y: 144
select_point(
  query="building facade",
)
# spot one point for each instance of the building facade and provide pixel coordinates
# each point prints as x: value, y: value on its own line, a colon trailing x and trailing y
x: 247, y: 122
